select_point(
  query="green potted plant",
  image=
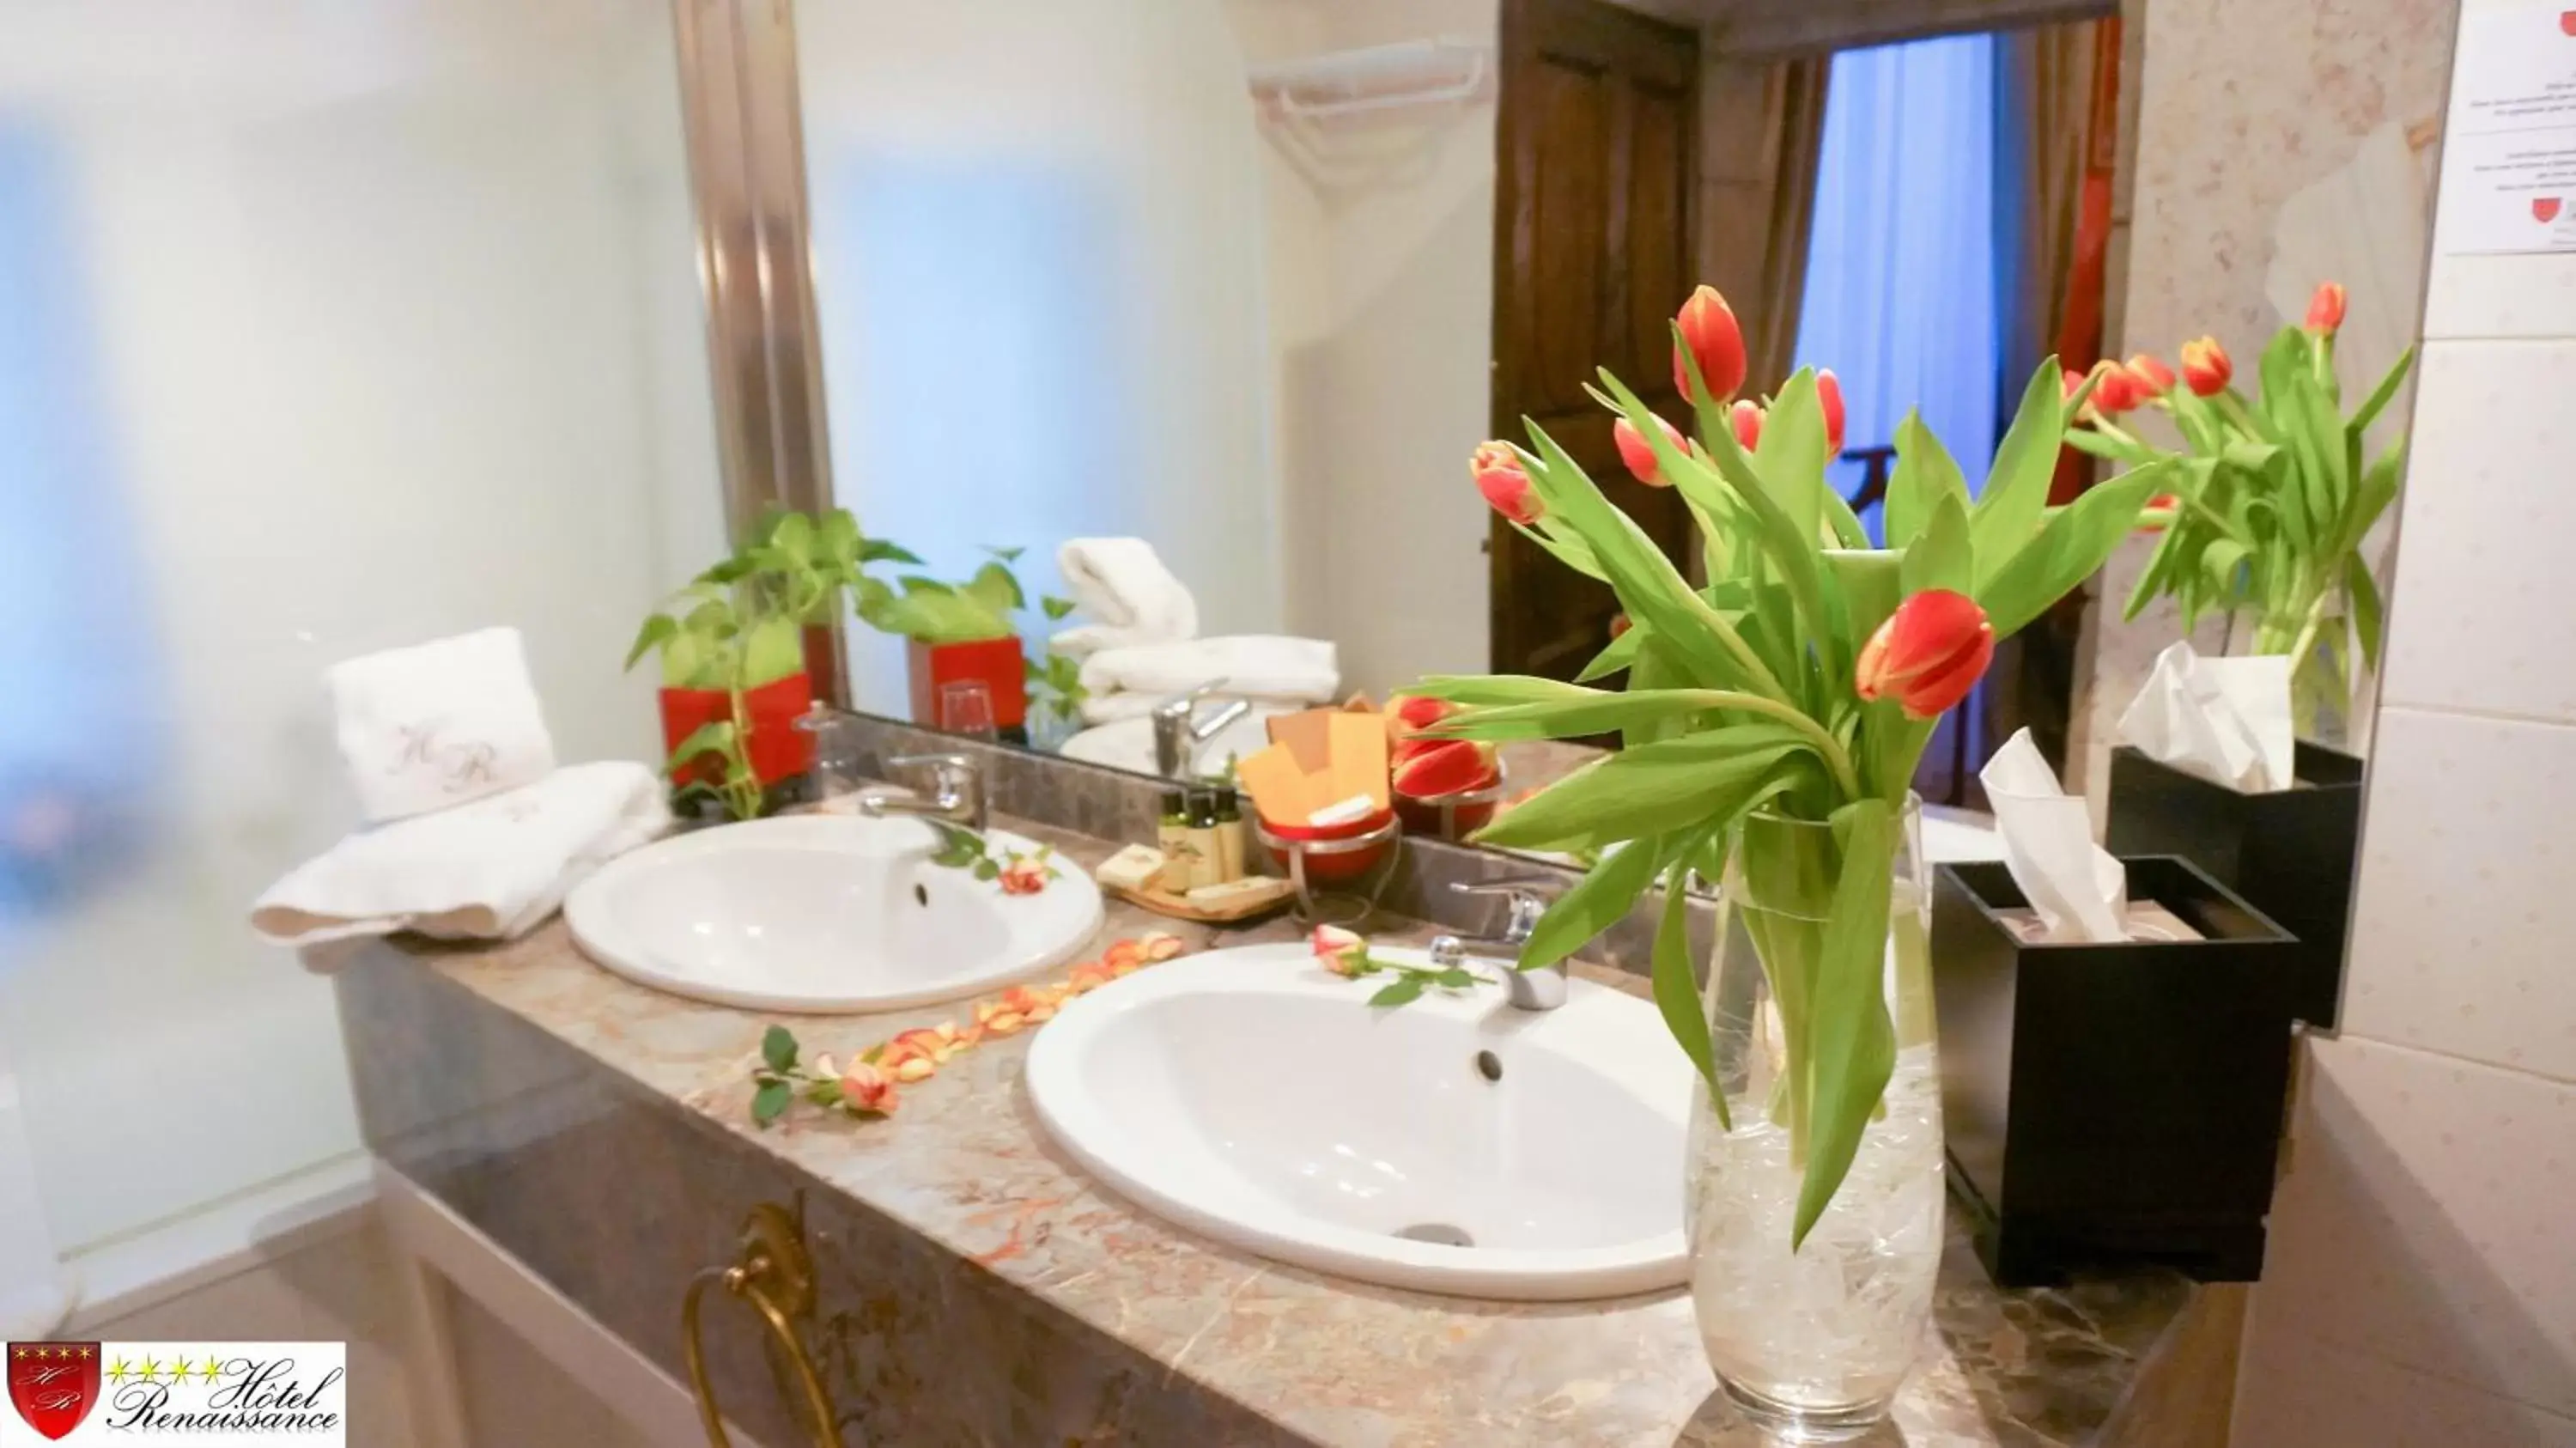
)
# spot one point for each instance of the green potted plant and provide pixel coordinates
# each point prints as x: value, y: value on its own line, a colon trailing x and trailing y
x: 1773, y: 719
x: 962, y: 632
x: 732, y: 646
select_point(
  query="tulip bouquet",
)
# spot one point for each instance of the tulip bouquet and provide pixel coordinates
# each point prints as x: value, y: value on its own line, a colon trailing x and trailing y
x: 1796, y: 688
x: 2273, y: 499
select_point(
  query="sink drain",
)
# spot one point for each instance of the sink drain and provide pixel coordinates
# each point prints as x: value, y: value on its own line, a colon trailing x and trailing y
x: 1439, y: 1234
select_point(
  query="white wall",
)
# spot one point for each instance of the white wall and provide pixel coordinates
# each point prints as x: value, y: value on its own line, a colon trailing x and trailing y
x: 380, y: 301
x: 1037, y: 244
x: 2421, y: 1289
x: 1381, y: 294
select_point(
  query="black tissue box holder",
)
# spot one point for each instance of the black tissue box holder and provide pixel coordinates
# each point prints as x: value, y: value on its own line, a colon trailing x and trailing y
x: 2117, y: 1105
x: 2289, y: 853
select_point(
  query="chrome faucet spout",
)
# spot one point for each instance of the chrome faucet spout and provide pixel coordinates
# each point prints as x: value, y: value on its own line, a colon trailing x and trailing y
x: 1178, y: 730
x: 1525, y: 900
x: 952, y: 791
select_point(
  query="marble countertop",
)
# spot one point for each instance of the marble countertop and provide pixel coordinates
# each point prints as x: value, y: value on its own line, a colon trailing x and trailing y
x: 967, y: 1166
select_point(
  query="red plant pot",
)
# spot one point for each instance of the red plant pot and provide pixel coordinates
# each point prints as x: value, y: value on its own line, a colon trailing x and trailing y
x: 997, y: 662
x: 777, y: 748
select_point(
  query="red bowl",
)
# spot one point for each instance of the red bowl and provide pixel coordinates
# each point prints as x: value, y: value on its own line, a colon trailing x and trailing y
x: 1359, y: 855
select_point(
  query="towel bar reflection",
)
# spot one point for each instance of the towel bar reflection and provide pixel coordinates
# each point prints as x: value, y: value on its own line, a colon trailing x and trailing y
x: 776, y: 1277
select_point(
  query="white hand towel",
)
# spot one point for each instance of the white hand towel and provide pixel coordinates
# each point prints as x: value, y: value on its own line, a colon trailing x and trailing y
x: 440, y: 723
x: 1253, y: 666
x: 490, y: 870
x: 2077, y: 888
x: 1130, y: 596
x: 2226, y: 720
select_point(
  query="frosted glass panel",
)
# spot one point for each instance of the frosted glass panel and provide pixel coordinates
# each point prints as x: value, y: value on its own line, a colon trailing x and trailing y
x: 1038, y: 248
x: 323, y: 328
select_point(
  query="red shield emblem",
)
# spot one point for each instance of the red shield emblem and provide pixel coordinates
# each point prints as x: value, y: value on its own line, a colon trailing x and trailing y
x: 2544, y: 208
x: 53, y: 1385
x: 2567, y: 22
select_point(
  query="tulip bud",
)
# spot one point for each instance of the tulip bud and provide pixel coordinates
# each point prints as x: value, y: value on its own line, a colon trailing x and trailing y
x: 1431, y: 768
x: 1745, y: 420
x: 2325, y: 309
x: 868, y: 1089
x: 2159, y: 512
x: 1716, y: 343
x: 2148, y: 369
x: 2205, y: 367
x: 1343, y: 952
x: 1928, y: 654
x: 1639, y: 454
x: 1829, y: 398
x: 1499, y: 477
x: 1414, y: 712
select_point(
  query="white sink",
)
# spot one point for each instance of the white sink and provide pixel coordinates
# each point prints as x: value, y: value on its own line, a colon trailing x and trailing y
x: 823, y: 913
x: 1128, y: 744
x: 1253, y: 1097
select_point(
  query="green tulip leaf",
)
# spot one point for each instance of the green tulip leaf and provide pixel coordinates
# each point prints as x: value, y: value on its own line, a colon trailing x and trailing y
x: 1601, y: 899
x: 2008, y: 512
x: 1925, y: 474
x: 1851, y: 1042
x: 2068, y: 550
x: 1676, y: 990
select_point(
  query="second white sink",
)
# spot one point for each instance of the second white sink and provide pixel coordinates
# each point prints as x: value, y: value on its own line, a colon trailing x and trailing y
x: 823, y: 913
x: 1454, y: 1145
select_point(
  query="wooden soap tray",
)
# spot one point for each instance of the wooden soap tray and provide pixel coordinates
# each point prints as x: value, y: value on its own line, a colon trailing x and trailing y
x: 1164, y: 902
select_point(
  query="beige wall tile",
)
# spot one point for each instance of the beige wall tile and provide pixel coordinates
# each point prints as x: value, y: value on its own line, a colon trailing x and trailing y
x: 2481, y: 581
x: 2424, y: 1222
x: 2464, y: 913
x: 2310, y: 1395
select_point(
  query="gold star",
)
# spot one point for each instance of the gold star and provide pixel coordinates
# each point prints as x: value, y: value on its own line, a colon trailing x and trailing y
x: 84, y: 1354
x: 119, y: 1371
x: 211, y: 1371
x: 151, y: 1370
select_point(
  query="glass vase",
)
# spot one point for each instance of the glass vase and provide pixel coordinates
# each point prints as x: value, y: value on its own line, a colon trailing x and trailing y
x: 1812, y: 1343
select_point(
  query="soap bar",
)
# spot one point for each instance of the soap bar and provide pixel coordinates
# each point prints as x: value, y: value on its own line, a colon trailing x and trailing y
x: 1136, y: 867
x: 1232, y: 892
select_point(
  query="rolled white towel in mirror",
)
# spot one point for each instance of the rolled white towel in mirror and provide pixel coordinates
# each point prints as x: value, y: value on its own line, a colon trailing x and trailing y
x: 1126, y: 595
x: 1274, y: 667
x: 492, y: 869
x: 438, y: 724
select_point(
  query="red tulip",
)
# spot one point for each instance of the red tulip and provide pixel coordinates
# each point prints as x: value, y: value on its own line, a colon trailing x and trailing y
x: 2118, y: 391
x: 2205, y: 368
x: 2147, y: 368
x: 1431, y: 768
x: 1829, y: 397
x: 1416, y: 713
x: 1709, y: 330
x: 2158, y: 512
x: 1639, y: 454
x: 1499, y: 477
x: 1928, y: 654
x: 2325, y: 309
x: 1745, y: 418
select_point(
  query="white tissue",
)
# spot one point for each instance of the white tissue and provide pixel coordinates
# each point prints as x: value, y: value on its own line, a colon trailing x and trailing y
x: 2078, y: 890
x: 2226, y: 720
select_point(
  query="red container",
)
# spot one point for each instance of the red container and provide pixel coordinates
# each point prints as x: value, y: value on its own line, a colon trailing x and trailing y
x: 998, y: 662
x: 1453, y: 816
x: 1332, y: 867
x: 778, y: 749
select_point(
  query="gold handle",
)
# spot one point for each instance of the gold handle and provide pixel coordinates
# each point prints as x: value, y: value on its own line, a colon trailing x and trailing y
x: 776, y: 1277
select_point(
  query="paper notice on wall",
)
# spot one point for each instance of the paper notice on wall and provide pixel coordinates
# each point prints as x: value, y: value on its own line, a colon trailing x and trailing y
x: 2509, y: 147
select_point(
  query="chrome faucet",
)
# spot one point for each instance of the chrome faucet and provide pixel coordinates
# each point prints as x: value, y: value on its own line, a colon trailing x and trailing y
x: 1528, y: 990
x: 954, y: 789
x: 1177, y: 733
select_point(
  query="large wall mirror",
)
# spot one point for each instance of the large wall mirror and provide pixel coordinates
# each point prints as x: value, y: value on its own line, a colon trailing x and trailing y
x: 1155, y: 339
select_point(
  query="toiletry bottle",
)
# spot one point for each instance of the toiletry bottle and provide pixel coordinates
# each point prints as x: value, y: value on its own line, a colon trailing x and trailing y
x: 1207, y: 862
x: 1172, y: 835
x: 1233, y: 836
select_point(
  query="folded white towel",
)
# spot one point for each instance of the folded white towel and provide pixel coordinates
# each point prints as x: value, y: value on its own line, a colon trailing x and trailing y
x: 492, y: 869
x: 1124, y: 683
x: 440, y: 723
x: 1130, y: 596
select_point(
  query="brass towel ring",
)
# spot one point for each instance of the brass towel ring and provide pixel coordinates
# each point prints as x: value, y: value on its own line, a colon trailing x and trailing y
x: 776, y: 1277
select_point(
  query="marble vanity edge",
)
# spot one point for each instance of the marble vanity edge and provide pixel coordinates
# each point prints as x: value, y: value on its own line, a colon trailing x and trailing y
x: 1112, y: 804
